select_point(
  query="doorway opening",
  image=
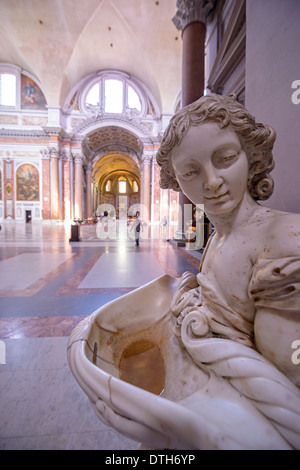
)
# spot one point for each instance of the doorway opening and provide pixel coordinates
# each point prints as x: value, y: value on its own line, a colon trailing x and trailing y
x: 28, y: 217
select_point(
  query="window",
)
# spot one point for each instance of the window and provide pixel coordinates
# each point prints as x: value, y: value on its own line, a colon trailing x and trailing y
x: 134, y: 101
x: 108, y: 185
x: 135, y: 187
x: 18, y: 90
x: 8, y: 96
x: 122, y: 185
x: 112, y: 93
x: 93, y: 97
x: 113, y: 96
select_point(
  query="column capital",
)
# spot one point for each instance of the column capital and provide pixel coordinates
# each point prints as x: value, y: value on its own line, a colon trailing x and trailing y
x: 77, y: 157
x: 45, y: 153
x: 147, y: 159
x: 65, y: 154
x: 54, y: 152
x: 190, y: 11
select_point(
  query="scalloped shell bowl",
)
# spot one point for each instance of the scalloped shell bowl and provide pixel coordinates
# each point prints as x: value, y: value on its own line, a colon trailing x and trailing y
x: 127, y: 360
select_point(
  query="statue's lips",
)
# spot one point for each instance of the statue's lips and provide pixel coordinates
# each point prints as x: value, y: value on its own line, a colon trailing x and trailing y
x: 218, y: 197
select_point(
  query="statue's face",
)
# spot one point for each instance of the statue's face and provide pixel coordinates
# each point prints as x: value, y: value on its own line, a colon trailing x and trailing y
x: 211, y: 167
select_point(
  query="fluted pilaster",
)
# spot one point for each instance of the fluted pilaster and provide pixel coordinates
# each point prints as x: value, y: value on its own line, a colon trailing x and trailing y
x: 145, y: 189
x: 78, y: 189
x: 88, y: 173
x: 54, y: 171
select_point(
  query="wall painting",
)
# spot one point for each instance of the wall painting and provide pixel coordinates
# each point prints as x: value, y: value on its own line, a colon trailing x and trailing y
x: 32, y: 96
x: 28, y: 183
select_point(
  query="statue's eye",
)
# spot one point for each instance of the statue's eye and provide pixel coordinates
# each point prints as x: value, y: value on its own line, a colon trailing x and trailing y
x: 225, y: 160
x: 228, y: 158
x: 189, y: 173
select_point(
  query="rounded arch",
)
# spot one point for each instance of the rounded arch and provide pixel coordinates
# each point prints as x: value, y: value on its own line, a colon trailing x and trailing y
x: 116, y: 175
x: 112, y: 163
x: 76, y: 99
x: 92, y: 124
x: 112, y: 139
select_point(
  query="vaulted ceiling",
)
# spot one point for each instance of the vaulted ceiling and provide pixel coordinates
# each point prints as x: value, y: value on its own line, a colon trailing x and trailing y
x: 114, y: 162
x: 112, y: 135
x: 62, y: 41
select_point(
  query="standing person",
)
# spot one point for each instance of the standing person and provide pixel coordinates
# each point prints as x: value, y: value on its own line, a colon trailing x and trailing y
x: 165, y: 228
x: 102, y: 227
x: 137, y: 224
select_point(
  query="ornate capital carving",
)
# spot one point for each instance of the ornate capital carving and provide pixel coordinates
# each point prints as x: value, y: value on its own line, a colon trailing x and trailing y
x: 65, y: 154
x: 146, y: 159
x: 77, y: 157
x: 190, y: 11
x: 50, y: 152
x: 54, y: 152
x: 45, y: 153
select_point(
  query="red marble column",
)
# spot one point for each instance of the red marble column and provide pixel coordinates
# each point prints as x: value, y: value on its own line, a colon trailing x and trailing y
x: 89, y: 190
x: 66, y: 186
x: 146, y: 187
x: 190, y: 19
x: 78, y: 193
x: 193, y: 56
x: 46, y: 205
x: 55, y: 209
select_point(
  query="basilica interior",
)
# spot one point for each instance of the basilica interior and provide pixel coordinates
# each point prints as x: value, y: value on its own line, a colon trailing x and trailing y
x: 87, y: 90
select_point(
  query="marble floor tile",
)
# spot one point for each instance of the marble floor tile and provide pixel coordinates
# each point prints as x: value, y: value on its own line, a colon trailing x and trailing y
x: 33, y: 327
x: 43, y: 407
x: 123, y: 270
x: 47, y: 286
x: 20, y: 271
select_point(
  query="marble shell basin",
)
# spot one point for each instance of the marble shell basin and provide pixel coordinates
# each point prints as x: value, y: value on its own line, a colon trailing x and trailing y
x: 139, y: 398
x: 143, y: 383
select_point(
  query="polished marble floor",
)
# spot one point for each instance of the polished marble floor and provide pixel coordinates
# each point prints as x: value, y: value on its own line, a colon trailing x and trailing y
x: 47, y: 285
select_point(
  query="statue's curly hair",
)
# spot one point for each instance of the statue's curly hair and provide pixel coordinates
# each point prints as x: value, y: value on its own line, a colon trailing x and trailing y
x: 257, y: 140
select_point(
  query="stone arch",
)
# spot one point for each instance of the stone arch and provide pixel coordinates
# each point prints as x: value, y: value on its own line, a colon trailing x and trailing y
x: 108, y: 170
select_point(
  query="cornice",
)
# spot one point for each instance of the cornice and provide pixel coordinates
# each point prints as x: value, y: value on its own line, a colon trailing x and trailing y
x: 56, y: 131
x: 23, y: 133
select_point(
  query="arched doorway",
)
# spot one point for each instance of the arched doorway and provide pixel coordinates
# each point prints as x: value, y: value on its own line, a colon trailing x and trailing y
x: 116, y: 179
x: 116, y: 165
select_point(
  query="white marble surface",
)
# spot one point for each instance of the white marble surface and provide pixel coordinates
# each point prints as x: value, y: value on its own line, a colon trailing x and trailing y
x: 236, y: 320
x: 224, y: 404
x: 19, y: 272
x: 42, y: 406
x: 122, y: 269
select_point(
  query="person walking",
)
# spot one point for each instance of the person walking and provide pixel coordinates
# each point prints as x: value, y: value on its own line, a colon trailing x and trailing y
x: 137, y: 225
